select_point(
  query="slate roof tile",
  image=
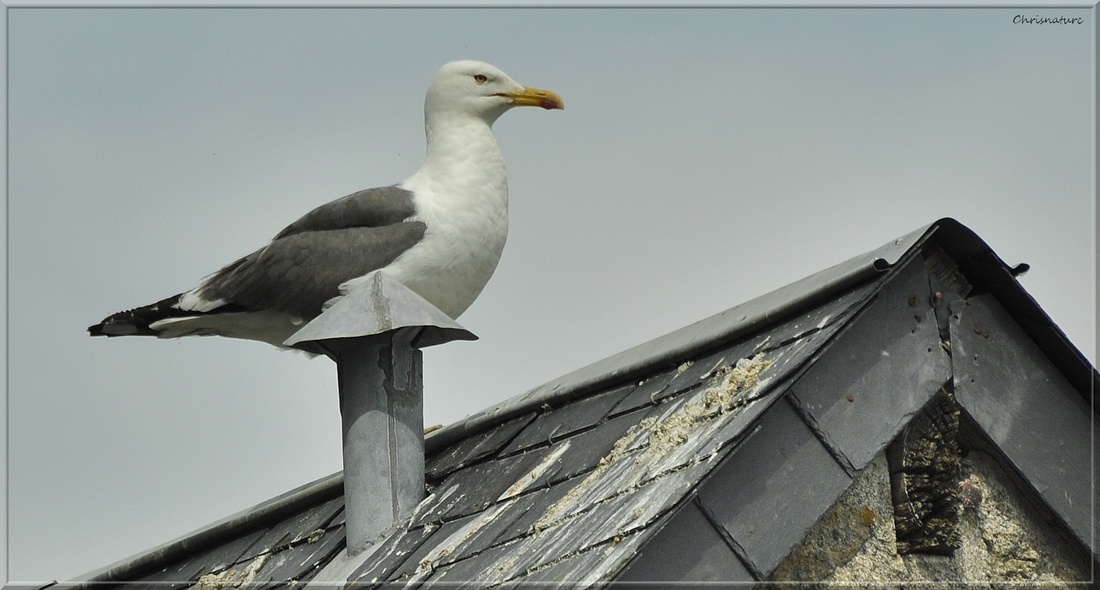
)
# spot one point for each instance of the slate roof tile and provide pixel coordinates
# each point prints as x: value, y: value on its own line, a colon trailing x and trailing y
x: 617, y: 523
x: 472, y: 489
x: 571, y: 571
x: 584, y: 451
x: 302, y: 560
x: 532, y: 506
x: 337, y: 520
x: 294, y: 528
x: 886, y: 369
x: 688, y: 549
x: 444, y: 546
x: 182, y: 574
x: 1027, y: 408
x: 589, y: 568
x: 648, y: 392
x: 558, y: 423
x: 486, y: 569
x: 498, y: 525
x: 293, y: 548
x: 475, y: 447
x: 390, y: 554
x: 773, y: 487
x: 690, y: 373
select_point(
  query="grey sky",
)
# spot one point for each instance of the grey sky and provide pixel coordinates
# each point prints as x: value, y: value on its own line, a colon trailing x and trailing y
x: 705, y: 156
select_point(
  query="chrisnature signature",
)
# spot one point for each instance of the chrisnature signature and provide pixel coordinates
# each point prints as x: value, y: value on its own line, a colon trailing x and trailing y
x: 1020, y: 19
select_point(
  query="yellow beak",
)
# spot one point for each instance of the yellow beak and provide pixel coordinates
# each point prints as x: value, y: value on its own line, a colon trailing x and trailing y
x: 535, y: 97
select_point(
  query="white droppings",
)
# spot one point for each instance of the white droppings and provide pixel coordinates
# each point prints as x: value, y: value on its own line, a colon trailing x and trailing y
x: 664, y: 435
x: 532, y: 476
x: 232, y: 578
x: 452, y: 543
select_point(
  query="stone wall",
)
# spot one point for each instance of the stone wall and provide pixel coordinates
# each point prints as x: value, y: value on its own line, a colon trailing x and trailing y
x: 1003, y: 539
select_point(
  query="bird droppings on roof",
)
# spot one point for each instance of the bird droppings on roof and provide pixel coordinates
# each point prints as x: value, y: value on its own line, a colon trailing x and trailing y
x: 619, y: 450
x: 233, y: 578
x: 683, y: 367
x: 426, y: 565
x: 642, y: 454
x: 525, y: 482
x: 672, y: 431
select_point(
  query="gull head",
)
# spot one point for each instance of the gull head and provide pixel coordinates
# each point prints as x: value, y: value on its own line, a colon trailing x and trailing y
x: 472, y: 88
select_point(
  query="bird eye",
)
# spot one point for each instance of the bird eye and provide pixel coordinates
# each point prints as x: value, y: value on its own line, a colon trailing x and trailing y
x: 481, y: 78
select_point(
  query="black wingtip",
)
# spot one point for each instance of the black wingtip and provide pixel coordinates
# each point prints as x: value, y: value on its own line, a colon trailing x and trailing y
x: 121, y: 326
x: 136, y: 322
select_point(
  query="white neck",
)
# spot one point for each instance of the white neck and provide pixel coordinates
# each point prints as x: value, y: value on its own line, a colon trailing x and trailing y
x: 463, y: 154
x: 462, y: 195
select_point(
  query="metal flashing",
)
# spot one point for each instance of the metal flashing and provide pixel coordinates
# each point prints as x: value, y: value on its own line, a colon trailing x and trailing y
x: 989, y: 274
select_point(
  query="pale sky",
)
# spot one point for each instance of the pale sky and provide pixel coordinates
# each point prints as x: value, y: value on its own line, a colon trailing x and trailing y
x: 706, y: 156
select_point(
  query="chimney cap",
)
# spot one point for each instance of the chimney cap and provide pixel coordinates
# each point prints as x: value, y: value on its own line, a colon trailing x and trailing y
x: 377, y: 306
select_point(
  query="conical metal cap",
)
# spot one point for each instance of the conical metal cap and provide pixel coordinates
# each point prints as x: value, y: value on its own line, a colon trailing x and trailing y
x: 379, y: 305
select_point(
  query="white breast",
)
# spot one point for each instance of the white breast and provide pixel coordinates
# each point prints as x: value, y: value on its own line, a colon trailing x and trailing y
x: 461, y: 194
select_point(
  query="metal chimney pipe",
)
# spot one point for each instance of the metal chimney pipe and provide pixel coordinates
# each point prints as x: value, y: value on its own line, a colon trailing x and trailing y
x: 382, y: 410
x: 374, y: 334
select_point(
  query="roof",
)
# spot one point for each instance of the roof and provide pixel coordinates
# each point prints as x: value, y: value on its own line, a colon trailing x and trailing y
x: 772, y: 407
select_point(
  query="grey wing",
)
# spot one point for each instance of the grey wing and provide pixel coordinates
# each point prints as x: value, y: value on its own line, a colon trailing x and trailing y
x: 306, y: 263
x: 372, y: 207
x: 298, y: 273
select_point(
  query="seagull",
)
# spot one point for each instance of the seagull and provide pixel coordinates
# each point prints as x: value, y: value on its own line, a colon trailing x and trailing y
x: 440, y: 232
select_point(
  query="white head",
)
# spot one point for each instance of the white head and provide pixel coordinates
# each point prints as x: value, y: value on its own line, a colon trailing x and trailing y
x: 473, y: 88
